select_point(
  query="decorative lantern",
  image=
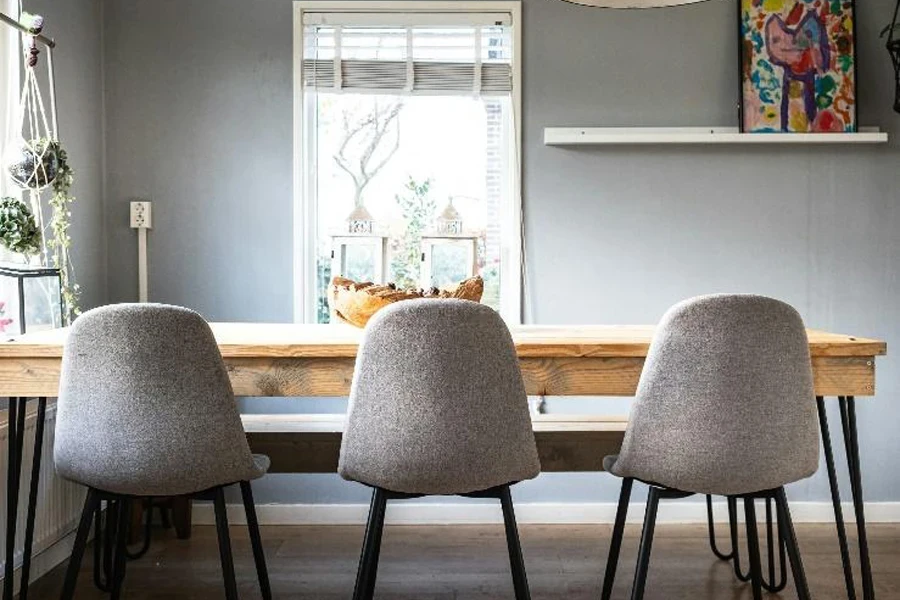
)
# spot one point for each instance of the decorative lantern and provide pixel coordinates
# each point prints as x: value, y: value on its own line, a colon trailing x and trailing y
x: 30, y: 299
x: 449, y: 222
x: 360, y: 221
x: 448, y: 254
x: 448, y: 259
x: 361, y: 257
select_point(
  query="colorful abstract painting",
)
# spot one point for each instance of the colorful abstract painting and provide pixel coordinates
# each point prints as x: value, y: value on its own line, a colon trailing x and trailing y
x: 798, y: 66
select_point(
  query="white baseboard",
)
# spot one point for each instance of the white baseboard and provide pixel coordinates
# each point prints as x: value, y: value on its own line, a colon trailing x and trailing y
x: 408, y: 513
x: 46, y: 561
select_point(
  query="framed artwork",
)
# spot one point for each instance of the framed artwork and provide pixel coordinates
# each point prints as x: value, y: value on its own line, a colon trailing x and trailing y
x: 798, y: 66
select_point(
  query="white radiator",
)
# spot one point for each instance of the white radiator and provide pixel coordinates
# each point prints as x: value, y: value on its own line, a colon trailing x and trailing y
x: 59, y: 502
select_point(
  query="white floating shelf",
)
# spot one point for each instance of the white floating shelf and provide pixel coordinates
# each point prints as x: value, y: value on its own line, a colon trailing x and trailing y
x: 577, y: 136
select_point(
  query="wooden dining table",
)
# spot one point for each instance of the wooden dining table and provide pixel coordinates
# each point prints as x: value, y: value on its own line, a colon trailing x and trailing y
x: 302, y: 361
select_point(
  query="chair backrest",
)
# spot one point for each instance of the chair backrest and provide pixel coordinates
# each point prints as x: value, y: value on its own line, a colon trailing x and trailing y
x: 145, y: 404
x: 725, y: 402
x: 437, y: 404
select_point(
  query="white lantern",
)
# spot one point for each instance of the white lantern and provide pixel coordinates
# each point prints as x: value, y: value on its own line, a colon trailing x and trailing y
x: 447, y: 259
x: 361, y: 256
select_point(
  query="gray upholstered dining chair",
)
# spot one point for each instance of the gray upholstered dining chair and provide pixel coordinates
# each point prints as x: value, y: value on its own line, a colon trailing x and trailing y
x: 146, y: 409
x: 724, y: 406
x: 437, y: 407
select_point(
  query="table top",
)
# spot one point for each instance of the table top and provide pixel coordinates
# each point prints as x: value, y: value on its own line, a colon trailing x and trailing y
x: 289, y: 340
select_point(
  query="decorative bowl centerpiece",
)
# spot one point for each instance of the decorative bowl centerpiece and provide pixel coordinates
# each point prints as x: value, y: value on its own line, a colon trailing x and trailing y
x: 355, y: 302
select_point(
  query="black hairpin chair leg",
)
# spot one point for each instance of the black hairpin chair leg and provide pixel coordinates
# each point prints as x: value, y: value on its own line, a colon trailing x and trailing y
x: 259, y: 556
x: 516, y: 560
x: 91, y: 505
x: 711, y: 527
x: 367, y: 572
x: 770, y: 585
x: 225, y: 545
x: 368, y: 561
x: 123, y: 520
x: 790, y: 538
x: 785, y: 537
x: 753, y: 548
x: 851, y: 444
x: 775, y: 582
x: 836, y: 499
x: 643, y: 564
x: 615, y: 544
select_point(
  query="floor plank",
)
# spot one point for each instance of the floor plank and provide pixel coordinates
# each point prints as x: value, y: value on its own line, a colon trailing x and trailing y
x: 470, y: 562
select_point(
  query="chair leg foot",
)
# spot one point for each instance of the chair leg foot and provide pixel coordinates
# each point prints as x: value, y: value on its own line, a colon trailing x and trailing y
x: 615, y: 544
x: 368, y: 562
x: 516, y: 561
x: 91, y: 504
x: 259, y: 556
x: 225, y: 545
x: 643, y: 563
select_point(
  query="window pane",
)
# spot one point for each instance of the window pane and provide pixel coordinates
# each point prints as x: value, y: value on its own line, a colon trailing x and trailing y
x: 400, y: 164
x: 359, y: 262
x: 449, y: 264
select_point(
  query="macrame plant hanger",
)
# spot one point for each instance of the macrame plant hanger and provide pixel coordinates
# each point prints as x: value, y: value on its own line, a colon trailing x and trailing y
x: 38, y: 160
x: 38, y: 164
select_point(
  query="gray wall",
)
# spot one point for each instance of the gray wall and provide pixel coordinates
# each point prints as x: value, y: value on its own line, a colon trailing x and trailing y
x: 198, y: 101
x: 76, y: 26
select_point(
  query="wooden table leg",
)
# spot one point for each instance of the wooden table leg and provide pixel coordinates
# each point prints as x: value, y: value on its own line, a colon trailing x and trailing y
x: 181, y: 517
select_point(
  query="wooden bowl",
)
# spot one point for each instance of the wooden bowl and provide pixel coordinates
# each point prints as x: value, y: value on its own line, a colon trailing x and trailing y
x: 355, y: 302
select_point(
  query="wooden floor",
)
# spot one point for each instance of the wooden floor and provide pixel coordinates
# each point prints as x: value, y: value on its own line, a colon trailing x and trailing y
x: 470, y: 562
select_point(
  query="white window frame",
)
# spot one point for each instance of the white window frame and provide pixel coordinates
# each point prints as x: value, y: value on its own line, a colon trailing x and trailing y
x: 305, y: 217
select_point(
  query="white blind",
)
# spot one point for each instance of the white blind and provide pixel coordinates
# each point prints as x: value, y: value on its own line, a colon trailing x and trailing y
x: 444, y: 54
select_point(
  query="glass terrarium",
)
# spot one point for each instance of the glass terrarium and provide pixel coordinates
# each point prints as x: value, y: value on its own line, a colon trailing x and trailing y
x: 30, y: 299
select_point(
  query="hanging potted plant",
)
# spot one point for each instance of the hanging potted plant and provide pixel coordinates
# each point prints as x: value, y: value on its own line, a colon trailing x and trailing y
x: 34, y: 165
x: 19, y: 232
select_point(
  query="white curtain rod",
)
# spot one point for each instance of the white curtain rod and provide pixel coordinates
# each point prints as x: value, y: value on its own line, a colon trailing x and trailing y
x: 39, y: 37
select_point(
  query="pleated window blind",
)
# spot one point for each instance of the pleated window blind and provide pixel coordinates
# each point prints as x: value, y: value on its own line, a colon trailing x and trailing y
x: 427, y: 53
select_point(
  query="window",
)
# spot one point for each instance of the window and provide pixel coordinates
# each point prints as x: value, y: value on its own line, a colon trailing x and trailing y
x: 407, y: 169
x: 9, y: 89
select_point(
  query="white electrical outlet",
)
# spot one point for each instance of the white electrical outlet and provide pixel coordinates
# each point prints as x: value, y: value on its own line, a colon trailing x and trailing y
x: 141, y: 215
